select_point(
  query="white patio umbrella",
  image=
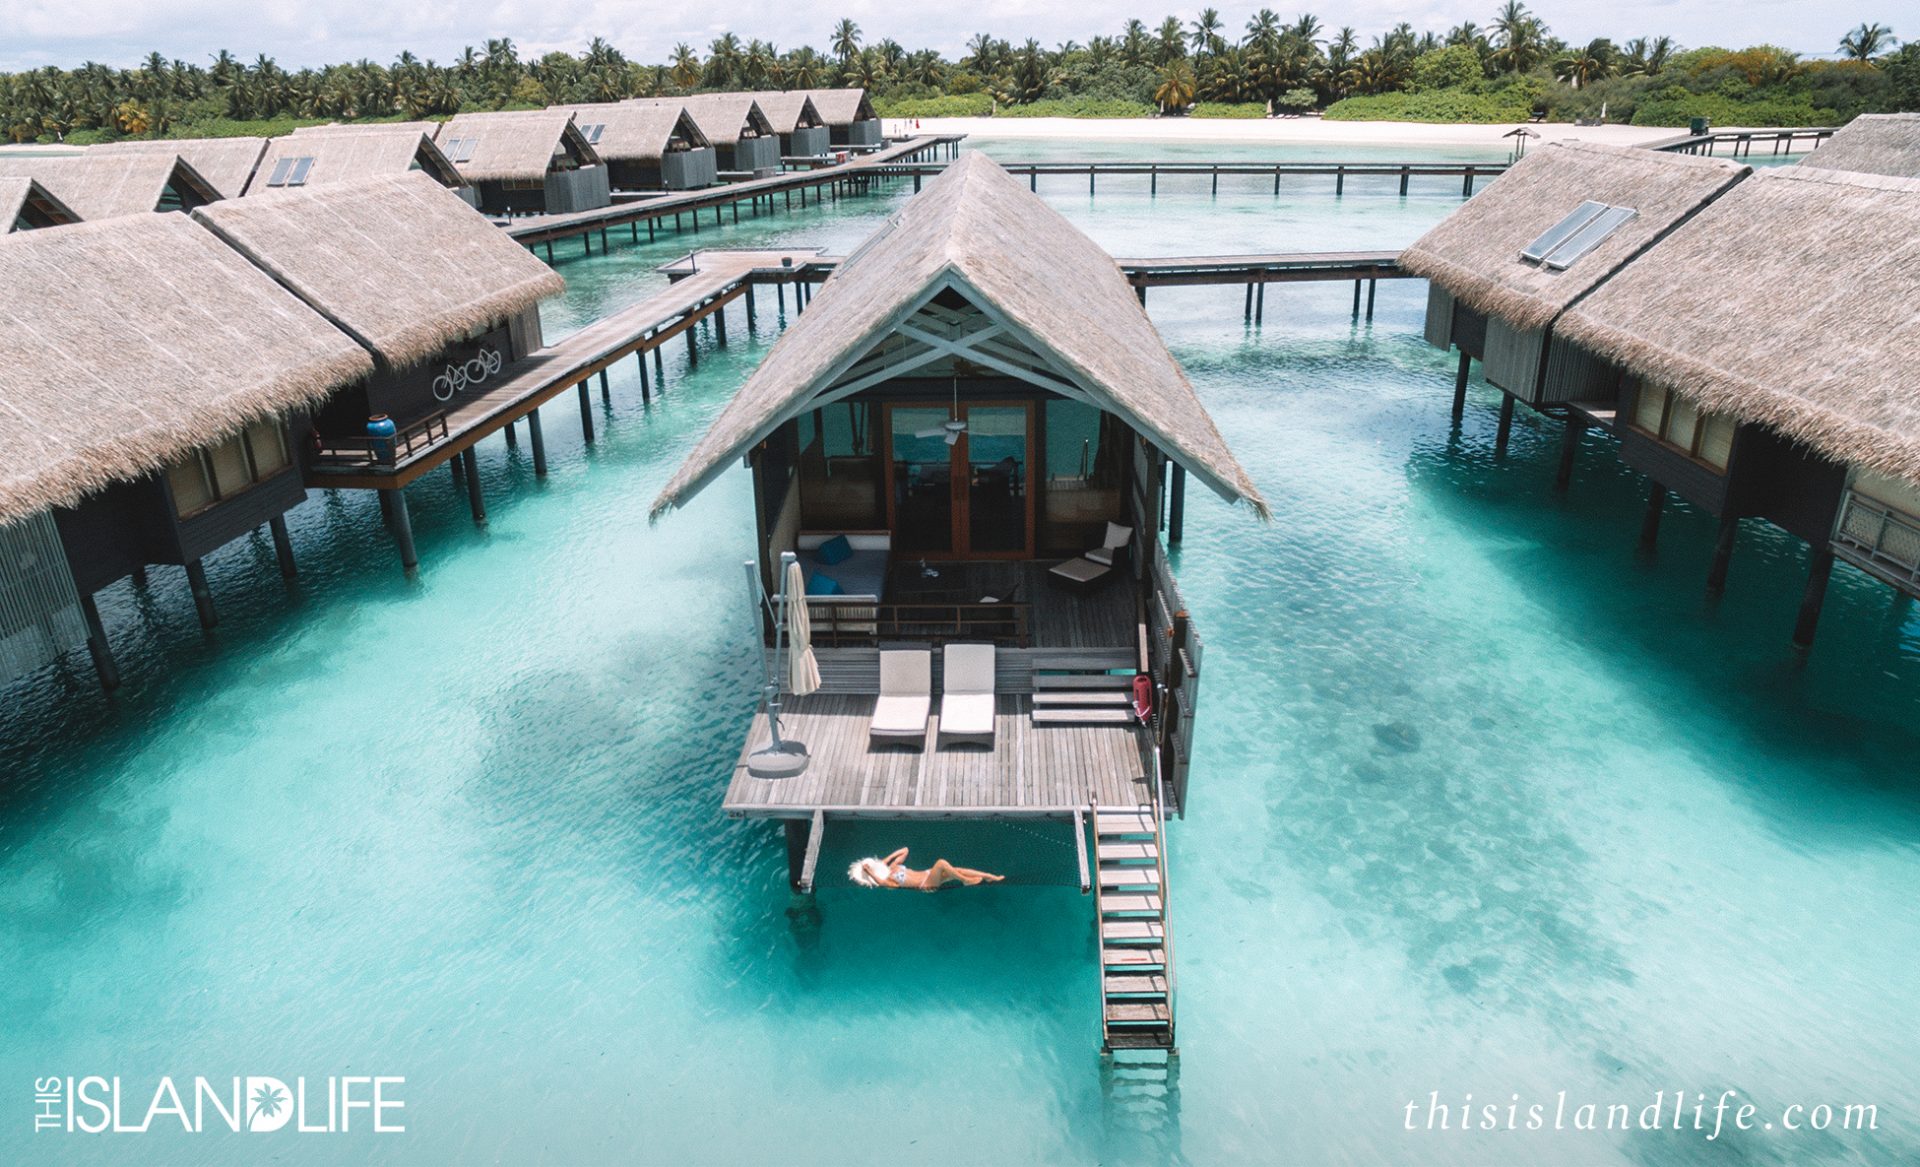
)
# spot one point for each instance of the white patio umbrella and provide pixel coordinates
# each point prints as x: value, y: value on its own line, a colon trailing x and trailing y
x: 803, y: 671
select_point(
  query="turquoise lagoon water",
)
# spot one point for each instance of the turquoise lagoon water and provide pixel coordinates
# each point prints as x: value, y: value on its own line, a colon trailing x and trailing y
x: 1485, y: 803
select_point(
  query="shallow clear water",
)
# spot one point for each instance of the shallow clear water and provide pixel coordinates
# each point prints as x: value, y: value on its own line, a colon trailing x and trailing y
x: 1485, y: 803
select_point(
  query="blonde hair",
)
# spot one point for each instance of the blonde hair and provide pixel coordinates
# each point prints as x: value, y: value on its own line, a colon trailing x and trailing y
x: 869, y: 872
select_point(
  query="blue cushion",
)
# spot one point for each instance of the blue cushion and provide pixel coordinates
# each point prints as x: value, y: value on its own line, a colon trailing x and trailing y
x: 834, y: 550
x: 822, y: 585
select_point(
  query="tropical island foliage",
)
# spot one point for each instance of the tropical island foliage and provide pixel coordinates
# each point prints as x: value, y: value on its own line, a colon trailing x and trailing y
x: 1512, y: 69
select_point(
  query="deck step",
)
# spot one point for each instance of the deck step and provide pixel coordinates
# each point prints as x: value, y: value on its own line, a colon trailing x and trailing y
x: 1140, y: 1039
x: 1114, y: 904
x: 1129, y: 983
x: 1109, y: 852
x: 1132, y: 931
x: 1138, y: 1013
x: 1123, y: 823
x: 1070, y: 697
x: 1129, y: 876
x: 1052, y: 715
x: 1132, y: 957
x: 1081, y: 680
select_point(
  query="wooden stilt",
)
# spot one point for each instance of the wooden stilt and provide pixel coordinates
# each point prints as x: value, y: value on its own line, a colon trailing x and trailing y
x: 659, y: 368
x: 1142, y: 289
x: 1722, y: 554
x: 1650, y: 525
x: 1259, y: 302
x: 1506, y: 426
x: 402, y: 525
x: 796, y: 832
x: 1569, y: 446
x: 646, y: 388
x: 693, y: 348
x: 586, y: 414
x: 1177, y: 504
x: 1247, y: 315
x: 1356, y: 299
x: 139, y: 576
x: 1460, y: 387
x: 1373, y: 286
x: 474, y: 499
x: 538, y: 441
x: 386, y: 508
x: 513, y: 441
x: 457, y: 470
x: 1339, y: 181
x: 720, y: 324
x: 606, y: 393
x: 104, y: 666
x: 282, y: 546
x: 750, y: 308
x: 202, y: 594
x: 1819, y: 570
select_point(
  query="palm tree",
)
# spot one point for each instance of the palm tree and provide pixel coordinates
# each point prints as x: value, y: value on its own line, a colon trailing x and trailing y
x: 1587, y: 64
x: 1177, y: 85
x: 1206, y: 32
x: 1867, y: 42
x: 684, y: 66
x: 846, y: 41
x: 724, y: 61
x: 1172, y: 39
x: 1134, y: 43
x: 1306, y: 29
x: 1641, y: 57
x: 1521, y: 38
x: 1263, y: 30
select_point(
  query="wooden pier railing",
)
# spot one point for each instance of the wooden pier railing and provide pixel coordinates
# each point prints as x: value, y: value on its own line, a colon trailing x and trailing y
x: 1739, y: 143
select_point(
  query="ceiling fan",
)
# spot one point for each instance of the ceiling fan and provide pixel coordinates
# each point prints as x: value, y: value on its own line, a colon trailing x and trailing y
x: 953, y: 427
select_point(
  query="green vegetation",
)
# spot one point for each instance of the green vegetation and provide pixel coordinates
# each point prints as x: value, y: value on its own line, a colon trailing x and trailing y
x: 1509, y: 70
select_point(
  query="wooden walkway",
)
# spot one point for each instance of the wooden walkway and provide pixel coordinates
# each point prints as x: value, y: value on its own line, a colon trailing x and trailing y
x: 640, y: 329
x: 1404, y: 172
x: 1030, y: 771
x: 538, y: 229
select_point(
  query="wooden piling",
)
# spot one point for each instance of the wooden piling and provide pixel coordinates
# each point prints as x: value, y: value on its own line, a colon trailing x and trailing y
x: 646, y: 389
x: 1569, y: 446
x: 538, y: 442
x: 1819, y: 570
x: 104, y: 666
x: 720, y: 324
x: 606, y: 391
x: 202, y: 594
x: 513, y: 440
x: 586, y: 414
x: 475, y: 501
x: 1259, y: 301
x: 1460, y: 387
x: 1722, y: 554
x: 401, y: 524
x: 1373, y: 287
x: 282, y: 546
x: 1506, y: 426
x: 1650, y: 525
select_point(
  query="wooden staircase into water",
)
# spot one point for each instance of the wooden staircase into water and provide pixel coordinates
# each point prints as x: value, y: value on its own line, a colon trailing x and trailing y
x: 1136, y: 949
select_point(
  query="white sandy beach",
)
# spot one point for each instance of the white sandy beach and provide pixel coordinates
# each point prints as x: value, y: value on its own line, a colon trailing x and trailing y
x: 1272, y: 131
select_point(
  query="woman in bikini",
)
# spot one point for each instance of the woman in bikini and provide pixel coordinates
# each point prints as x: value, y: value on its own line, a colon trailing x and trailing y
x: 894, y: 872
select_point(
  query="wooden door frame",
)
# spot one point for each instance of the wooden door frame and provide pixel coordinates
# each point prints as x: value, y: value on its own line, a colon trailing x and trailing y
x: 959, y: 470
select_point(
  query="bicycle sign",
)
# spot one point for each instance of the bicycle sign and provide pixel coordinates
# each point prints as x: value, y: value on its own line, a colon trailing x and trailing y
x: 458, y: 375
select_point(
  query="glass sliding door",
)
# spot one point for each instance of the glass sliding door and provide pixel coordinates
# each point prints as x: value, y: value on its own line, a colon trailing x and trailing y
x: 996, y: 475
x: 921, y: 480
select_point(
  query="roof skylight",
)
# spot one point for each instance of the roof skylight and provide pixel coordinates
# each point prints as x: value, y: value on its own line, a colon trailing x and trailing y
x: 1574, y: 236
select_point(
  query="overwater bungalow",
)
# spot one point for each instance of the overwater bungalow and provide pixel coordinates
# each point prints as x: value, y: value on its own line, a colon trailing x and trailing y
x: 346, y: 153
x: 744, y: 142
x: 1873, y: 143
x: 1780, y: 386
x: 530, y: 162
x: 104, y: 186
x: 803, y: 132
x: 647, y: 145
x: 26, y: 205
x: 444, y: 302
x: 154, y: 442
x: 966, y: 448
x: 849, y: 116
x: 1503, y: 267
x: 227, y: 164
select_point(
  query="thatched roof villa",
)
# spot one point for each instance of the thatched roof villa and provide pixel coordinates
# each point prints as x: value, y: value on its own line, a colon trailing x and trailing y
x: 26, y: 205
x: 146, y: 424
x: 1873, y: 143
x: 1781, y: 386
x: 647, y: 145
x: 1495, y: 297
x: 743, y: 138
x: 103, y: 186
x: 977, y: 390
x: 848, y: 114
x: 525, y: 161
x: 226, y: 163
x: 346, y: 153
x: 803, y: 132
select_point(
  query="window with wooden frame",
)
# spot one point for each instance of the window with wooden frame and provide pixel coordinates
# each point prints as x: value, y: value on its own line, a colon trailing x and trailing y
x: 1679, y: 423
x: 216, y: 473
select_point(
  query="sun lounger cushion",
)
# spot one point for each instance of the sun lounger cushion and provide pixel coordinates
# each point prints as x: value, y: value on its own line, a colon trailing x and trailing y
x: 899, y: 717
x: 966, y: 691
x: 1080, y: 572
x: 822, y: 585
x: 906, y: 688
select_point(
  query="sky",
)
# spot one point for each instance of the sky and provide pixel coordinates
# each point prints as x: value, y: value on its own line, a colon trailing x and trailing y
x: 314, y: 32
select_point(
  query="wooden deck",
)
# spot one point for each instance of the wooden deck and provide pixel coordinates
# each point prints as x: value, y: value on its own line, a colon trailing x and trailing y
x: 1105, y: 618
x: 1030, y: 772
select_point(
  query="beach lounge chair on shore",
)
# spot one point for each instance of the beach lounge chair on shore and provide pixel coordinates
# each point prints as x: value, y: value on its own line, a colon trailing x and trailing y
x: 966, y: 693
x: 906, y: 695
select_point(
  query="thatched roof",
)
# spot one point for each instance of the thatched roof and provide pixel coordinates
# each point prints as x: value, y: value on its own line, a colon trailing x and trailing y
x: 24, y: 200
x: 1475, y: 252
x: 513, y: 143
x: 639, y: 130
x: 350, y: 153
x: 840, y: 107
x: 400, y: 262
x: 981, y: 233
x: 788, y: 110
x: 721, y: 117
x: 102, y: 186
x: 226, y: 163
x: 1790, y: 302
x: 126, y: 343
x: 1873, y: 143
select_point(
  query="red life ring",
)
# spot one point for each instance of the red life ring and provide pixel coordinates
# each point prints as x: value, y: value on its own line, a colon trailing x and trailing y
x: 1143, y: 696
